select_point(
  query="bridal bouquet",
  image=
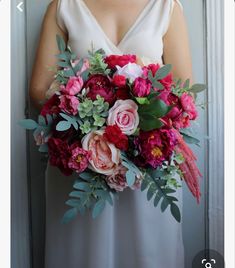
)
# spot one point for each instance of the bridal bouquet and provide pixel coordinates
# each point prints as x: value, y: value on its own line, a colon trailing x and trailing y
x: 118, y: 125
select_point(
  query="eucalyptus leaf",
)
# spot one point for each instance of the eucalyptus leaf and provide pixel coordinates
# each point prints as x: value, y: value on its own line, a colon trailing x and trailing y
x: 73, y: 203
x: 60, y: 43
x: 165, y: 203
x: 63, y: 125
x: 82, y: 186
x: 69, y: 215
x: 130, y: 178
x: 190, y: 139
x: 163, y: 71
x: 43, y: 148
x: 98, y: 208
x: 196, y: 88
x: 86, y: 176
x: 175, y: 212
x: 28, y: 124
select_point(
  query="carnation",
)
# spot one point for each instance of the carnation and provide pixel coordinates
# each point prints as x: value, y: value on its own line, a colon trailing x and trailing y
x: 119, y: 60
x: 114, y: 135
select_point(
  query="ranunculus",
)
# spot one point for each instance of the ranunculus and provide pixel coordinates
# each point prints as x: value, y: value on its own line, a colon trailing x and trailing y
x: 124, y: 114
x: 51, y: 106
x: 69, y: 104
x: 123, y: 93
x: 79, y: 159
x: 189, y: 106
x: 114, y: 135
x: 99, y: 84
x: 119, y: 60
x: 141, y: 87
x: 117, y: 180
x: 167, y: 81
x: 59, y: 155
x: 155, y: 146
x: 119, y: 80
x: 73, y: 86
x: 105, y: 157
x: 130, y: 71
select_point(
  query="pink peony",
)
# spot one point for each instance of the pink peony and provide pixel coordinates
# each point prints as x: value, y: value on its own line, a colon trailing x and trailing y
x: 124, y: 114
x: 105, y: 157
x: 155, y: 146
x: 69, y: 104
x: 117, y: 180
x: 141, y: 87
x: 59, y: 155
x: 99, y: 84
x: 79, y: 158
x: 189, y: 106
x: 73, y: 86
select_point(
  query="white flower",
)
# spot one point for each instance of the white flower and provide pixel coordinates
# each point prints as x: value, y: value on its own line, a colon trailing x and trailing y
x: 130, y: 70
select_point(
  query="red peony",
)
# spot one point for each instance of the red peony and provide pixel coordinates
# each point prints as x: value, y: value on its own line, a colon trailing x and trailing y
x: 119, y: 80
x: 59, y: 155
x: 99, y: 84
x: 51, y: 106
x: 120, y: 60
x: 69, y: 104
x: 114, y: 135
x: 155, y: 146
x: 123, y: 93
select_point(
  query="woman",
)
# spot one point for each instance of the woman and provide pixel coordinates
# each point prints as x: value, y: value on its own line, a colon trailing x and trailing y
x: 132, y: 234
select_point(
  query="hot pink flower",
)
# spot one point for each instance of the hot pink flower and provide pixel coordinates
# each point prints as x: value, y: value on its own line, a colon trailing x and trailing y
x: 73, y: 86
x: 99, y: 84
x: 120, y: 60
x: 79, y: 158
x: 59, y: 154
x: 141, y: 87
x: 155, y: 146
x: 124, y: 114
x: 189, y: 106
x: 117, y: 180
x: 69, y: 104
x: 105, y: 157
x: 167, y: 81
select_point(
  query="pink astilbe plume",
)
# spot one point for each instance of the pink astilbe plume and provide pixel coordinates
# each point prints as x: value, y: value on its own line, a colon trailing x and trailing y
x: 188, y: 167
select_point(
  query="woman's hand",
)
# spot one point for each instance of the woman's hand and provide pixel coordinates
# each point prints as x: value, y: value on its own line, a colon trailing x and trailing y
x: 42, y: 76
x: 176, y: 46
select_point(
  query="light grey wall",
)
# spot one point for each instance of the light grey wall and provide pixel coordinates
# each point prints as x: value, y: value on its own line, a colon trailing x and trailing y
x: 20, y: 229
x: 194, y: 220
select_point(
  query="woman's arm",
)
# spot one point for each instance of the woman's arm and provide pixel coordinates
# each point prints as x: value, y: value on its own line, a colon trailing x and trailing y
x: 176, y: 46
x: 42, y: 77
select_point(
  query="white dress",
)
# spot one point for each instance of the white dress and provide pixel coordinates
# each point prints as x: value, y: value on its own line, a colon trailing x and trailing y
x: 133, y: 233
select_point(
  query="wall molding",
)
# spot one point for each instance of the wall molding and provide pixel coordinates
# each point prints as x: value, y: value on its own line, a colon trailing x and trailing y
x: 215, y: 80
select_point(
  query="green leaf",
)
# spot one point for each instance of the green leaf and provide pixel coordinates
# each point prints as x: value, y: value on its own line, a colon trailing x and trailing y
x: 156, y: 108
x: 165, y: 203
x: 142, y: 101
x: 63, y: 125
x: 157, y: 84
x: 78, y: 66
x: 60, y: 43
x: 150, y: 192
x: 98, y: 208
x: 190, y: 139
x: 130, y: 178
x: 86, y: 176
x: 78, y: 194
x: 157, y: 199
x: 84, y: 186
x: 85, y: 75
x: 68, y: 73
x: 163, y: 72
x: 187, y: 83
x: 28, y: 124
x: 157, y: 173
x: 196, y: 88
x: 144, y: 185
x: 41, y: 120
x: 149, y: 122
x: 73, y: 203
x: 69, y: 215
x: 175, y: 212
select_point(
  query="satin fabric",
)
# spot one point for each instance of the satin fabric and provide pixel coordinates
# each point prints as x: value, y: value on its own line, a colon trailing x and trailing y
x: 132, y: 233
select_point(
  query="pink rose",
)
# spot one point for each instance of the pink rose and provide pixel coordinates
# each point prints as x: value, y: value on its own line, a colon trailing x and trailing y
x: 69, y: 104
x: 141, y: 87
x: 99, y: 84
x: 117, y: 180
x: 124, y: 114
x: 73, y: 86
x: 80, y: 158
x: 189, y: 106
x: 105, y: 157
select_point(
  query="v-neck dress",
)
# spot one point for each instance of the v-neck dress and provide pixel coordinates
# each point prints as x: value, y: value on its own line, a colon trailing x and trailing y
x: 132, y: 233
